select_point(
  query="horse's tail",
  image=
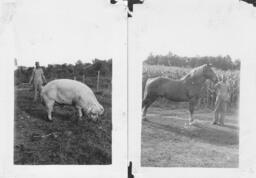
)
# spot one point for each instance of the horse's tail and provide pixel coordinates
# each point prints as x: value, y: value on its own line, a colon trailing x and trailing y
x: 146, y: 83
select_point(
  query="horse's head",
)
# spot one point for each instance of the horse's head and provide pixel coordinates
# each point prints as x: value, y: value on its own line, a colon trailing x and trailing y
x: 209, y: 73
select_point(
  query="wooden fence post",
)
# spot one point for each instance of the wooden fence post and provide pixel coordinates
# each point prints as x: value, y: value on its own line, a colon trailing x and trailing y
x: 84, y: 78
x: 98, y: 80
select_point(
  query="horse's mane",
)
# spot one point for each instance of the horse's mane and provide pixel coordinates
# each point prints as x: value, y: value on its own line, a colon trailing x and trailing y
x: 194, y: 72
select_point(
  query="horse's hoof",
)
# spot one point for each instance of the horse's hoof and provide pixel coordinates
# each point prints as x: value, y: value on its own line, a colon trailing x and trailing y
x: 145, y: 119
x: 221, y: 124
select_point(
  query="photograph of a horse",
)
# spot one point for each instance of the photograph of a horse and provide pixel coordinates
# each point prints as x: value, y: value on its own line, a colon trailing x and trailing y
x: 190, y: 112
x: 186, y: 89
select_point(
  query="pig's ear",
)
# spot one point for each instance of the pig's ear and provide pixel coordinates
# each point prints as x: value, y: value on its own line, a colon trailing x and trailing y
x: 102, y: 110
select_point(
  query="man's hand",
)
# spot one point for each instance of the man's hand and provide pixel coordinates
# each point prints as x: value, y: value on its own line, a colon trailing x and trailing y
x: 31, y: 86
x: 211, y: 90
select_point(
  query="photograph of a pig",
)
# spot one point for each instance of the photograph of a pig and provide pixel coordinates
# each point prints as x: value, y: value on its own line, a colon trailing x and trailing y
x: 71, y: 92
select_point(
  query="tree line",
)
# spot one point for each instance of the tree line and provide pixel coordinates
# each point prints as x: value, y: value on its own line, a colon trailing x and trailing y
x: 78, y: 70
x: 219, y: 62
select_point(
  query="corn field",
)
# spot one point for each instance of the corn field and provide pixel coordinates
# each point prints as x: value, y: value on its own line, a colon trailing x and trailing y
x: 207, y: 98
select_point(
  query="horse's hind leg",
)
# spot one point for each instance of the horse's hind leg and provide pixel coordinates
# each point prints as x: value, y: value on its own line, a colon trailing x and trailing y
x: 144, y: 110
x: 145, y: 105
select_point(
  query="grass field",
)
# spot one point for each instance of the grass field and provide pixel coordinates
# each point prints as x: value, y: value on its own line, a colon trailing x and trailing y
x: 167, y: 142
x: 63, y: 141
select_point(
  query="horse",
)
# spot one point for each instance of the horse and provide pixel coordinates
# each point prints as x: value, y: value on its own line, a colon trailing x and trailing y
x: 186, y: 89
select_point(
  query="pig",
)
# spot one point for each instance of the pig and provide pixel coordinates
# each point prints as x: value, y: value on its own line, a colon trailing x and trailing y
x: 71, y: 92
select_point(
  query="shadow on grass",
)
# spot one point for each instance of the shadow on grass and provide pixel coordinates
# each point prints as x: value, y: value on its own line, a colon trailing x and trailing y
x: 233, y: 127
x: 201, y: 133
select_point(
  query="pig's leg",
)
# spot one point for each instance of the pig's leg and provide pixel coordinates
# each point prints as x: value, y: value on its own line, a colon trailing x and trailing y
x: 49, y: 106
x: 80, y: 114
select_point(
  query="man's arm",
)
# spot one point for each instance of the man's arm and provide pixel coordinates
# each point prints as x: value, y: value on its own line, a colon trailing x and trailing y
x: 32, y: 77
x: 213, y: 89
x: 217, y: 85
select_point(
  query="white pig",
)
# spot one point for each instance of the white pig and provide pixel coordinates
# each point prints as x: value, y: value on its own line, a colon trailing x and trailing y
x: 71, y: 92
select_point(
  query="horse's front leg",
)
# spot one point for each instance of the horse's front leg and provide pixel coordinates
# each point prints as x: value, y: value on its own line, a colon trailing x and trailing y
x: 192, y: 104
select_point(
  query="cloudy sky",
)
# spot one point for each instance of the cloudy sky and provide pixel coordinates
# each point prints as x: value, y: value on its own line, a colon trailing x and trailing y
x: 193, y: 27
x: 58, y: 31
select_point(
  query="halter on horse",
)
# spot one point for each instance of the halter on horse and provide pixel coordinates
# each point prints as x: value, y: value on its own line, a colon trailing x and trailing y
x: 186, y: 89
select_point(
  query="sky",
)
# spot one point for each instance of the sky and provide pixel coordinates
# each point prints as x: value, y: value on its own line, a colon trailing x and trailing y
x: 54, y: 31
x: 193, y: 27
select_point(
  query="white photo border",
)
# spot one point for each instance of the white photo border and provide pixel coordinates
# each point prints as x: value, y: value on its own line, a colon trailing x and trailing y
x: 117, y: 169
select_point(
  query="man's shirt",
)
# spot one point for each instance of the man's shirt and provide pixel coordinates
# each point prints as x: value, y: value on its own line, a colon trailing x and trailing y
x: 222, y: 90
x: 38, y: 75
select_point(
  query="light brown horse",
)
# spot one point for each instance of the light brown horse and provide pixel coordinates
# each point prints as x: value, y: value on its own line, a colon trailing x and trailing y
x: 186, y: 89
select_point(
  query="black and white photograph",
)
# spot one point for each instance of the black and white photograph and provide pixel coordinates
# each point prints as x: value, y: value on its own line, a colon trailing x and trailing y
x: 63, y: 113
x: 193, y: 102
x: 63, y: 110
x: 187, y: 111
x: 63, y: 60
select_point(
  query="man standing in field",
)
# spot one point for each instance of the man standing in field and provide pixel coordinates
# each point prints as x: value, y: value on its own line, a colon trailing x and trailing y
x: 221, y: 102
x: 38, y: 80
